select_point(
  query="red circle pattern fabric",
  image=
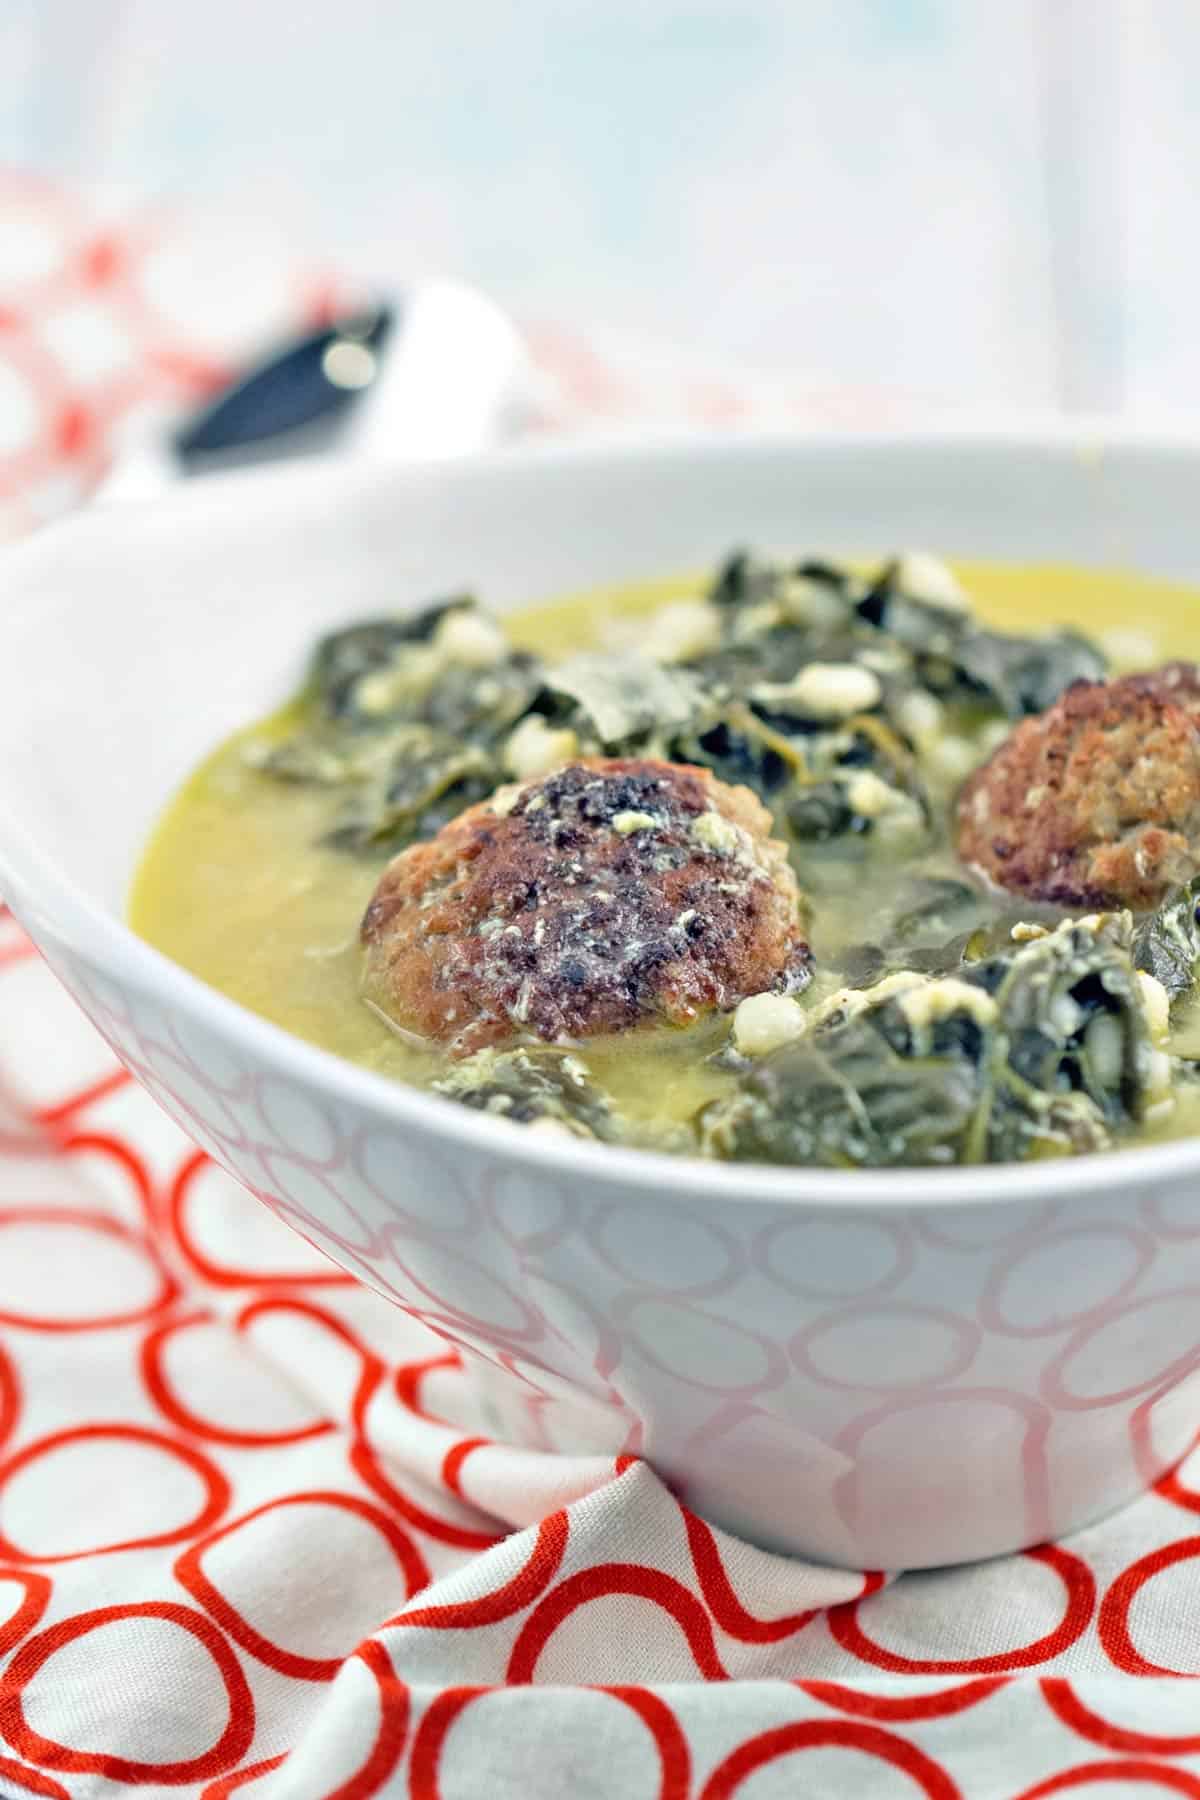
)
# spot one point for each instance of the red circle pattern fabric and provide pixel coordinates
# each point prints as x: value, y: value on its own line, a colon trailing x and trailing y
x: 255, y: 1535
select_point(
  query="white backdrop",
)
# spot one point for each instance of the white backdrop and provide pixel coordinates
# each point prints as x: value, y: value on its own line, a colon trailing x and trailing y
x: 971, y: 204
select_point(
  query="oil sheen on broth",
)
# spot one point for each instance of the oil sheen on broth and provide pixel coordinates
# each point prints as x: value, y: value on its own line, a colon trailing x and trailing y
x: 238, y: 886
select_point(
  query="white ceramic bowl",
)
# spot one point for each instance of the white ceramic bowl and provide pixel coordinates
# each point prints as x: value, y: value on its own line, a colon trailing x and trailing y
x: 893, y: 1369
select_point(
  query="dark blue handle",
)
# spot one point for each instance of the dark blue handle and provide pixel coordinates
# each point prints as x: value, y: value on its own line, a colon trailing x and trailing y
x: 300, y: 385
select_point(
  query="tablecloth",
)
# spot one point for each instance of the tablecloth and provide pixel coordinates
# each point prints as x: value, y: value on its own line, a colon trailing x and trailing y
x: 253, y: 1534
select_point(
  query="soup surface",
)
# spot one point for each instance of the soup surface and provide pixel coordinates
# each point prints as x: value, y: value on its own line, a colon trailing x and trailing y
x: 259, y: 874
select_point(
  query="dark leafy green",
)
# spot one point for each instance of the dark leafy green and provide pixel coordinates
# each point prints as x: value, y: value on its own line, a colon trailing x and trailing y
x: 530, y: 1084
x: 342, y: 661
x: 933, y: 905
x: 1000, y: 1048
x: 1026, y: 675
x: 1167, y: 943
x: 845, y: 1098
x: 1042, y: 1049
x: 429, y: 777
x: 954, y: 656
x: 621, y: 703
x: 407, y: 732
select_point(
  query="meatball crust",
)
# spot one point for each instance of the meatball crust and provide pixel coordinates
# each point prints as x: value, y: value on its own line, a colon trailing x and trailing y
x: 606, y: 895
x: 1095, y: 802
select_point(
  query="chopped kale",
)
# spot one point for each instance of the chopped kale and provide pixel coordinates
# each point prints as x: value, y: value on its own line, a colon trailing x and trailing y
x: 407, y: 718
x: 759, y: 646
x: 956, y: 657
x: 346, y: 659
x: 1026, y: 675
x: 1044, y: 1049
x: 919, y: 625
x: 1167, y: 943
x: 623, y: 703
x: 483, y: 704
x: 529, y: 1086
x: 929, y: 927
x: 844, y: 1098
x: 967, y: 1031
x: 827, y: 573
x: 742, y: 581
x: 935, y: 903
x: 821, y: 811
x: 1072, y: 1014
x: 428, y: 779
x: 738, y: 749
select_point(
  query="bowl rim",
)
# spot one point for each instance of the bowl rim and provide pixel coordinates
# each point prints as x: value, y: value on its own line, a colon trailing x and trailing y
x: 115, y: 948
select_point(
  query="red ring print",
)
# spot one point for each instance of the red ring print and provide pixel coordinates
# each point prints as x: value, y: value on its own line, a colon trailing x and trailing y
x: 409, y: 1379
x: 31, y: 1781
x: 61, y: 1113
x: 1065, y: 1703
x: 423, y: 1783
x: 102, y: 1226
x: 450, y: 1473
x: 1176, y: 1781
x: 368, y: 1467
x: 19, y: 950
x: 33, y: 1605
x: 157, y: 1385
x: 229, y: 1784
x: 362, y: 1457
x: 615, y: 1578
x: 1171, y: 1486
x: 531, y: 1579
x: 10, y: 1396
x: 1078, y: 1582
x: 722, y: 1601
x: 216, y: 1488
x: 80, y: 1143
x: 823, y: 1734
x: 665, y: 1729
x: 669, y: 1740
x: 903, y: 1708
x: 1112, y: 1625
x: 33, y: 1655
x: 39, y: 370
x: 392, y: 1734
x: 226, y: 1277
x: 189, y: 1572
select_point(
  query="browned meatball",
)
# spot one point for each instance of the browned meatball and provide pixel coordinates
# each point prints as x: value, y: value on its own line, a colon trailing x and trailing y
x: 600, y: 897
x: 1095, y: 802
x: 1175, y: 682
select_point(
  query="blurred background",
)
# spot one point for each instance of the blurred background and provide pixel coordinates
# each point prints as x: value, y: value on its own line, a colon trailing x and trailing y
x: 902, y: 207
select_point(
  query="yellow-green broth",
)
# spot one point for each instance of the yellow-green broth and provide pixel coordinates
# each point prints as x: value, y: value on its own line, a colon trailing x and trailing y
x: 236, y: 887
